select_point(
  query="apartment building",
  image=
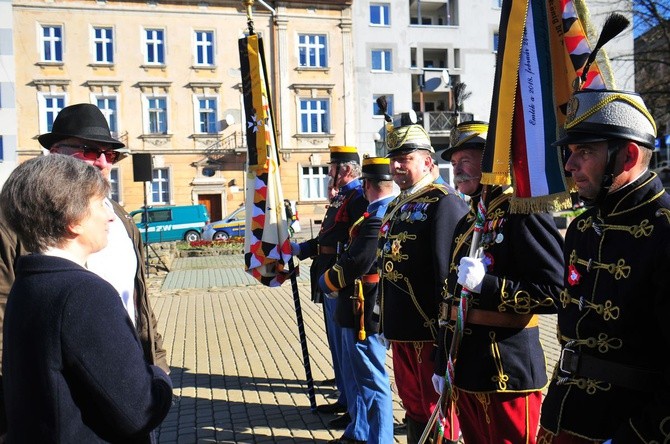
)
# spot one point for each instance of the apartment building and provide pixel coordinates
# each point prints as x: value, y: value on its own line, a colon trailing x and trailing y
x: 166, y: 75
x: 7, y: 91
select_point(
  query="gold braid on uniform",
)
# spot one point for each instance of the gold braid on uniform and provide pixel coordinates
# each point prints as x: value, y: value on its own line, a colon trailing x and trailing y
x: 501, y: 378
x: 521, y: 302
x: 603, y: 343
x: 607, y: 310
x: 485, y: 400
x: 619, y: 269
x: 590, y: 386
x: 663, y: 212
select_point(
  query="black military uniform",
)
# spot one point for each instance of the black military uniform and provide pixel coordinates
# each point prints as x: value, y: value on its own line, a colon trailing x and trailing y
x: 612, y: 380
x: 524, y: 267
x: 414, y: 264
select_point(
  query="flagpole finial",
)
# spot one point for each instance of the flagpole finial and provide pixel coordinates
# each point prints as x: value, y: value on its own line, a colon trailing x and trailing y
x: 250, y: 19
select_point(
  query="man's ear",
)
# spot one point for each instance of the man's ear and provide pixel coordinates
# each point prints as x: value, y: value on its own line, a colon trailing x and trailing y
x: 632, y: 153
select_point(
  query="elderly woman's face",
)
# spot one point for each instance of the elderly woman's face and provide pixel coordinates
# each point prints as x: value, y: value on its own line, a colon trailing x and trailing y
x: 93, y: 229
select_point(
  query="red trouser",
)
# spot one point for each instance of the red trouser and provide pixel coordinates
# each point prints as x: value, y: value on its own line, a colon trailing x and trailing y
x: 498, y: 418
x: 546, y: 437
x: 413, y: 368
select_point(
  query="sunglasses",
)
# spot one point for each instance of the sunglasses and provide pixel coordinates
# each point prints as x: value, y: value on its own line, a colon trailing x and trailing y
x: 91, y: 152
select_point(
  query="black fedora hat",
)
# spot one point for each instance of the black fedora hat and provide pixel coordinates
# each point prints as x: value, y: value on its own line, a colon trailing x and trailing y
x: 84, y: 121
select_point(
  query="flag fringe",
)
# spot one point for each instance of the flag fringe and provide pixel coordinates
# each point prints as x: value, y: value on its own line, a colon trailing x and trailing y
x: 545, y: 204
x: 496, y: 178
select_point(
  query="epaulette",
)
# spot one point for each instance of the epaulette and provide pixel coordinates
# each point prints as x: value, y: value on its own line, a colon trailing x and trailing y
x: 445, y: 189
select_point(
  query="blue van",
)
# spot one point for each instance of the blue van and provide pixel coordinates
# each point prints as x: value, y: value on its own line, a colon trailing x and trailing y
x: 174, y: 223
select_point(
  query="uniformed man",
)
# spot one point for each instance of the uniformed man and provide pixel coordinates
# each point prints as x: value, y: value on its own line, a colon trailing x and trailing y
x: 612, y: 381
x: 414, y: 263
x: 344, y: 209
x: 500, y: 367
x: 353, y: 280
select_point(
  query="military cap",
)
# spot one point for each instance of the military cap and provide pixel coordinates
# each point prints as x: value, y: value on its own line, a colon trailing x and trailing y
x: 405, y: 136
x: 376, y: 168
x: 596, y: 115
x: 342, y: 154
x: 467, y: 135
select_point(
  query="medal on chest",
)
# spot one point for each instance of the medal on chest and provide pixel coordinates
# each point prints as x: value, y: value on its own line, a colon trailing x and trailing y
x: 413, y: 211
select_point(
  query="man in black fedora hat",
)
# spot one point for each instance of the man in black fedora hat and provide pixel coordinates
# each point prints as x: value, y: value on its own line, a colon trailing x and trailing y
x: 81, y: 131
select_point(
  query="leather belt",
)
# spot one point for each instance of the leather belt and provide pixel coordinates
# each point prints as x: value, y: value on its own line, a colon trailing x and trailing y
x: 327, y: 250
x: 574, y: 363
x: 496, y: 319
x: 370, y: 278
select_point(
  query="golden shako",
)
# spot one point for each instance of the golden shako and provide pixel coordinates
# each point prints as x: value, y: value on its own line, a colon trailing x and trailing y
x: 467, y: 135
x: 596, y: 115
x: 343, y: 154
x: 376, y: 168
x: 405, y: 136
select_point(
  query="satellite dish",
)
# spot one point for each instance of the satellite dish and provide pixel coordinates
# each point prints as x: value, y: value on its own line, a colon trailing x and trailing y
x: 445, y: 77
x: 230, y: 119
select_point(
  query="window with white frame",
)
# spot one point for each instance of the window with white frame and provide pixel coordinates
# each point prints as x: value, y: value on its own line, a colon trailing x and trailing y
x: 389, y: 103
x: 496, y: 38
x: 52, y: 43
x: 379, y: 14
x: 314, y: 182
x: 381, y: 60
x: 204, y: 48
x: 114, y: 189
x: 103, y: 44
x: 154, y: 41
x: 312, y: 51
x: 156, y: 115
x: 109, y: 109
x: 160, y: 186
x: 50, y: 105
x: 314, y: 116
x: 206, y: 109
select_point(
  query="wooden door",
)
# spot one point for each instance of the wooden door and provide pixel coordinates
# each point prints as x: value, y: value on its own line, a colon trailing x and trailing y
x: 213, y: 204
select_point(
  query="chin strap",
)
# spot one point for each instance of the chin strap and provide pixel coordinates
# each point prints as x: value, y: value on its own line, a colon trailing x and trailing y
x: 608, y: 178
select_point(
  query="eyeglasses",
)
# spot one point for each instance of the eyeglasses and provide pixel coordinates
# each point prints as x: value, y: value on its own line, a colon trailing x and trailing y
x: 91, y: 152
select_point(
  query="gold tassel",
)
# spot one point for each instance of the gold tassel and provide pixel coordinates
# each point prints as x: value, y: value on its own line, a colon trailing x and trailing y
x: 360, y: 300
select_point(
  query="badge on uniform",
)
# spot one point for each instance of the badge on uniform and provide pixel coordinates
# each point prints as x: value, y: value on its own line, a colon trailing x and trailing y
x: 573, y: 275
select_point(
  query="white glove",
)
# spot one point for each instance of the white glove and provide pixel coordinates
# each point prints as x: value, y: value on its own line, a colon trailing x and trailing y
x: 295, y: 248
x: 438, y: 383
x: 471, y: 274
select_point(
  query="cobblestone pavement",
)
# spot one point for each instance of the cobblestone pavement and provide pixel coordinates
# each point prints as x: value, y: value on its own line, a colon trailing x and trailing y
x: 234, y: 350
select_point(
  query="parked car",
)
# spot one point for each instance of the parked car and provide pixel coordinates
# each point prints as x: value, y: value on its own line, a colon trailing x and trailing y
x: 172, y: 223
x: 229, y: 226
x: 234, y: 223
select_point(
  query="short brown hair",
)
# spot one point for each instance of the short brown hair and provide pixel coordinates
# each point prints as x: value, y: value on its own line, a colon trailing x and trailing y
x: 44, y: 196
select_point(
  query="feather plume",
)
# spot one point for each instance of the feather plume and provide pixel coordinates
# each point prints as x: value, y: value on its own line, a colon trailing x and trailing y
x: 383, y: 107
x: 613, y: 26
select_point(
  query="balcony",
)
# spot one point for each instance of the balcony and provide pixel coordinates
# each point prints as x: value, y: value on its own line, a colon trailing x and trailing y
x: 440, y: 123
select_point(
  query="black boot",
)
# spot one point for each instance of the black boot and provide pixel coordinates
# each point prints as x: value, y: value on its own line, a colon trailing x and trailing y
x: 414, y: 430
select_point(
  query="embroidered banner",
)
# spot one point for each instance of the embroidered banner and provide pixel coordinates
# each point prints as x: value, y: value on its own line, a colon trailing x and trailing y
x: 267, y: 250
x: 541, y: 46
